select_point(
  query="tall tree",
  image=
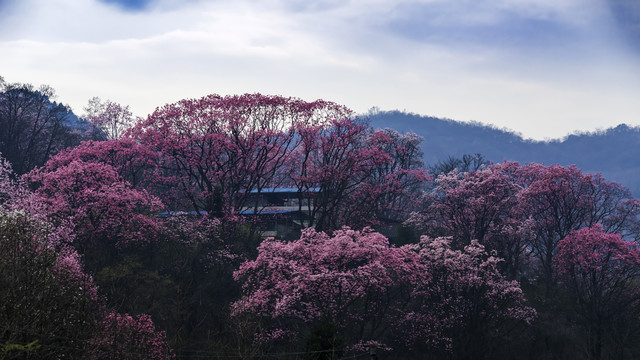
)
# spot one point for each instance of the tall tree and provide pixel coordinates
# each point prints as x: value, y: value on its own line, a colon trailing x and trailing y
x: 479, y: 205
x: 104, y: 211
x: 32, y: 127
x: 353, y: 280
x: 601, y: 271
x: 359, y: 176
x: 424, y: 297
x: 466, y: 302
x: 218, y: 150
x: 562, y: 199
x: 110, y: 118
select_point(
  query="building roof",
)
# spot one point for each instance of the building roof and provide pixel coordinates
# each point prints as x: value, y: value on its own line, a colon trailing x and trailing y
x: 270, y: 211
x: 284, y: 190
x: 179, y: 212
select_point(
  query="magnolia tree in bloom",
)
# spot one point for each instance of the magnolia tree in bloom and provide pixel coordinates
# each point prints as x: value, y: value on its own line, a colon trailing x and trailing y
x: 395, y: 184
x: 128, y: 337
x: 97, y: 202
x: 522, y: 212
x: 479, y: 205
x: 560, y: 200
x: 352, y: 279
x: 466, y: 305
x: 361, y: 176
x: 220, y: 153
x: 111, y: 118
x: 600, y: 271
x: 217, y: 150
x: 425, y: 296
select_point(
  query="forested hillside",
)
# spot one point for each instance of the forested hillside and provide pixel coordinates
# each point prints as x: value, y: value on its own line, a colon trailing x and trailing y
x: 612, y: 152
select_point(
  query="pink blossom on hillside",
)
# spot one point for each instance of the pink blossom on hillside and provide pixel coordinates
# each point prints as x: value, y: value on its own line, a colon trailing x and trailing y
x: 96, y: 201
x: 126, y: 337
x: 354, y: 279
x: 134, y: 162
x: 216, y: 150
x: 111, y: 118
x: 563, y: 199
x: 467, y: 303
x: 590, y: 253
x: 362, y: 176
x: 425, y: 296
x: 479, y: 205
x: 600, y: 272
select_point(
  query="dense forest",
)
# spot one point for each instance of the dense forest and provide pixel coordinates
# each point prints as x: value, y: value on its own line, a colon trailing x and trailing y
x: 257, y: 227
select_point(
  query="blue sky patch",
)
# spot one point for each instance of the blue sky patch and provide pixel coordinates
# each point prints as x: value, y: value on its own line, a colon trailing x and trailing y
x: 627, y: 15
x: 451, y: 26
x: 130, y: 5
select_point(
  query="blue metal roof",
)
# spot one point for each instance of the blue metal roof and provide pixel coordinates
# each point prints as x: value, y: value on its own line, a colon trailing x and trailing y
x: 284, y: 190
x: 266, y: 212
x: 178, y: 212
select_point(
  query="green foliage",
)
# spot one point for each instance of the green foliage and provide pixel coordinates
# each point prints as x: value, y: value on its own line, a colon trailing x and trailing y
x: 18, y: 350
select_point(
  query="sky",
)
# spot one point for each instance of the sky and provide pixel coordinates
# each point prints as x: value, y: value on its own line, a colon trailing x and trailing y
x: 541, y: 68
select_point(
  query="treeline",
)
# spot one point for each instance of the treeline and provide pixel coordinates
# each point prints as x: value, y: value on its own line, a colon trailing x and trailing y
x: 485, y: 260
x: 611, y: 151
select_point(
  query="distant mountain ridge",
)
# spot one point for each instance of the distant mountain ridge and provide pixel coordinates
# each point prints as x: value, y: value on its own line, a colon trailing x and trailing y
x: 615, y: 152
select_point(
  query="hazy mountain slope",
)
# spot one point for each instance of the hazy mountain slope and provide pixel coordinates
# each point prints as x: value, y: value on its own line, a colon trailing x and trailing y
x: 615, y: 152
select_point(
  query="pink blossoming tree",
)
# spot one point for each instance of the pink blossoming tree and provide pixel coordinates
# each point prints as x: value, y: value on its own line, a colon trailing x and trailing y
x: 479, y: 205
x: 561, y: 199
x: 217, y: 150
x: 111, y: 118
x: 104, y: 212
x: 426, y: 296
x: 128, y: 337
x: 601, y: 271
x: 360, y: 176
x: 466, y: 305
x: 352, y: 279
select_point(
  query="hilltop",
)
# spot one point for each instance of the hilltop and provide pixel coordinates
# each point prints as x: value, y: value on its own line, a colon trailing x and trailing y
x: 612, y: 152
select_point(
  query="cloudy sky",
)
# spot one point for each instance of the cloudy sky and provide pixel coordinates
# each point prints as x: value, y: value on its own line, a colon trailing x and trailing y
x: 543, y: 68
